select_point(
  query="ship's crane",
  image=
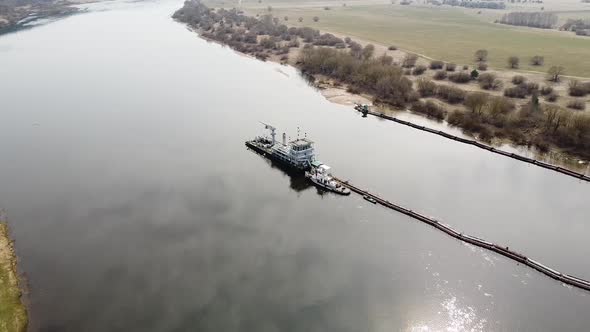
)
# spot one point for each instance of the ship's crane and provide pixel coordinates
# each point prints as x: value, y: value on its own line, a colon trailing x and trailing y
x: 272, y: 131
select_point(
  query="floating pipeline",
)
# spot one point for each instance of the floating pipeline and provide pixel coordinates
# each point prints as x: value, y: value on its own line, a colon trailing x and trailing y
x: 504, y: 251
x: 558, y: 169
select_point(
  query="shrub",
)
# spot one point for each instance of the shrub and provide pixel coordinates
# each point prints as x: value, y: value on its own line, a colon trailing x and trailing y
x: 436, y: 64
x: 545, y: 90
x: 497, y: 106
x: 515, y: 92
x: 418, y: 70
x: 518, y: 79
x: 537, y: 60
x: 386, y: 59
x: 482, y: 66
x: 429, y: 108
x: 578, y: 89
x: 450, y: 67
x: 577, y: 104
x: 392, y: 48
x: 551, y: 97
x: 426, y: 87
x: 465, y: 67
x: 451, y: 94
x: 529, y: 87
x: 440, y: 75
x: 460, y: 77
x: 409, y: 60
x: 488, y: 81
x: 267, y: 43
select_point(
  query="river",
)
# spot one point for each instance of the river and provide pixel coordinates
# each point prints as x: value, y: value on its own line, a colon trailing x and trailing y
x: 135, y: 205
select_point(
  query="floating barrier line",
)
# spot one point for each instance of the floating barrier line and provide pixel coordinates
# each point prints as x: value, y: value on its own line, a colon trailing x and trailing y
x: 558, y: 169
x: 504, y: 251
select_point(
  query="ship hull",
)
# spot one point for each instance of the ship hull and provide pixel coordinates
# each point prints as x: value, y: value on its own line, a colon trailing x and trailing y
x: 272, y: 156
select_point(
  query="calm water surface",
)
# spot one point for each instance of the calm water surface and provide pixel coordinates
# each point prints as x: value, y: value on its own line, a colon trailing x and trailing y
x: 136, y: 207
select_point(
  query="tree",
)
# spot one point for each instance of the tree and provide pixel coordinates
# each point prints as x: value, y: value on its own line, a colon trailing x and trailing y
x: 315, y: 18
x: 554, y: 73
x: 474, y: 74
x: 537, y: 60
x: 356, y: 50
x: 368, y: 51
x: 409, y: 60
x: 481, y: 55
x: 513, y: 62
x: 476, y: 101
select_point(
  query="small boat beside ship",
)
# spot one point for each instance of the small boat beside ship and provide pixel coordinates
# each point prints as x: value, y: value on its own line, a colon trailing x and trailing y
x: 297, y: 155
x: 320, y: 175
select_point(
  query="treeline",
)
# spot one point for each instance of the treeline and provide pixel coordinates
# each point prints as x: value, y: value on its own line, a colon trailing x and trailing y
x: 260, y: 37
x: 361, y: 72
x: 475, y: 4
x: 534, y: 20
x: 580, y: 27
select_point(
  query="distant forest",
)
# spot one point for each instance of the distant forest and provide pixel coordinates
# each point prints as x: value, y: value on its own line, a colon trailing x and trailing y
x: 487, y: 4
x: 580, y: 27
x: 534, y: 20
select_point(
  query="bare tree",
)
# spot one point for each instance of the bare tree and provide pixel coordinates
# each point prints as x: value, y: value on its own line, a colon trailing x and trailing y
x: 409, y: 60
x: 537, y: 60
x: 476, y: 101
x: 481, y: 55
x: 554, y: 73
x: 368, y: 51
x: 513, y: 62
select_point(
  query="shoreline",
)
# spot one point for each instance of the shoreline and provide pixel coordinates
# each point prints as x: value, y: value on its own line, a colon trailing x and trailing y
x: 337, y: 93
x: 14, y: 316
x: 25, y: 17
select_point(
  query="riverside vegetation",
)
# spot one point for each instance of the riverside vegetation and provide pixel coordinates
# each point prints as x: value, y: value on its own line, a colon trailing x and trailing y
x: 13, y: 315
x: 13, y: 12
x: 517, y: 115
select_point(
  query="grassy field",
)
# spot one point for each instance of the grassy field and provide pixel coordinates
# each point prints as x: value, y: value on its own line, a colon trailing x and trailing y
x: 445, y: 33
x: 13, y: 316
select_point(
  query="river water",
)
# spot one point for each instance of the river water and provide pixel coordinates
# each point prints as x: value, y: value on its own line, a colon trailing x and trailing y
x: 135, y: 205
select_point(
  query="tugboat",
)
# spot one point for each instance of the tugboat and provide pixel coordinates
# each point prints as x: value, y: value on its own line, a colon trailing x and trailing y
x: 321, y: 177
x: 297, y: 155
x: 363, y: 108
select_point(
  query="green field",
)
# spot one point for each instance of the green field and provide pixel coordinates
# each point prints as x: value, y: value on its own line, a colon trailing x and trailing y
x: 445, y: 33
